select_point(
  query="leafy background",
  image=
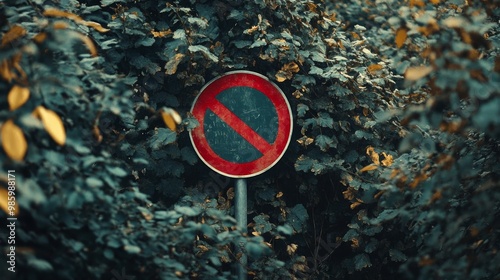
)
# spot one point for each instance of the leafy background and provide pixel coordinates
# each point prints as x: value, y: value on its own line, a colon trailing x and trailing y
x: 392, y: 171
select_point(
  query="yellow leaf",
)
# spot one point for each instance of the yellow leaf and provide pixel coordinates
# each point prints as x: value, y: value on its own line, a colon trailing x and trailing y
x: 373, y: 155
x: 355, y: 204
x: 401, y: 35
x: 374, y: 68
x: 60, y: 25
x: 280, y: 194
x: 17, y: 97
x: 161, y: 34
x: 291, y: 67
x: 251, y: 30
x: 13, y: 141
x: 455, y: 22
x: 418, y: 3
x: 75, y: 18
x: 171, y: 118
x: 281, y: 76
x: 4, y: 203
x: 305, y: 141
x: 40, y: 37
x: 97, y: 26
x: 369, y: 168
x: 418, y: 72
x: 89, y: 43
x: 52, y: 124
x: 388, y: 160
x: 63, y: 14
x: 15, y: 32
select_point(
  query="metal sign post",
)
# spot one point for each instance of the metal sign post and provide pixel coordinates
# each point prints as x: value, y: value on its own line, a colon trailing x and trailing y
x: 241, y: 220
x: 245, y: 128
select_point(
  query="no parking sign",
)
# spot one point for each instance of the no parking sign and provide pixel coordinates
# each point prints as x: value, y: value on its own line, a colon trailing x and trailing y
x: 245, y: 124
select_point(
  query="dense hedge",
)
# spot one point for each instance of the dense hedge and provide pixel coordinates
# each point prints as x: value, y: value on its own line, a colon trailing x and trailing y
x: 392, y: 171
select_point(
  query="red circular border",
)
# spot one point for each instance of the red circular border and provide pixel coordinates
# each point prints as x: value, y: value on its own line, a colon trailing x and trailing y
x: 277, y: 98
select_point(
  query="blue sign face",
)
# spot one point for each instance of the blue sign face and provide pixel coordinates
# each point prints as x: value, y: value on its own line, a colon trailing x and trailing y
x: 245, y: 124
x: 253, y: 108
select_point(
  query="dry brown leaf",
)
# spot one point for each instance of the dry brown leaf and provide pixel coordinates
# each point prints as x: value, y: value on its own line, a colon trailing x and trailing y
x: 305, y: 141
x: 161, y: 34
x: 13, y: 141
x: 355, y: 204
x: 369, y: 168
x: 291, y: 67
x: 14, y: 33
x: 290, y: 249
x: 370, y: 151
x: 374, y: 68
x: 171, y: 66
x: 282, y: 76
x: 251, y: 29
x: 388, y: 160
x: 417, y: 73
x: 17, y: 97
x: 52, y: 124
x: 401, y: 35
x: 230, y: 193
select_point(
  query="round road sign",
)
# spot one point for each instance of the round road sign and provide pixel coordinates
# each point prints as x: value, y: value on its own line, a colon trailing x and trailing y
x: 245, y: 124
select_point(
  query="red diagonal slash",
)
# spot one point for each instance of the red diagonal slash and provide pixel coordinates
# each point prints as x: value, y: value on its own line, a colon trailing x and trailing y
x: 239, y: 126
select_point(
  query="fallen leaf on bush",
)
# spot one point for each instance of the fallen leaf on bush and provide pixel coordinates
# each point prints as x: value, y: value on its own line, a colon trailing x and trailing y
x: 17, y: 97
x: 13, y: 140
x: 52, y: 124
x: 417, y: 73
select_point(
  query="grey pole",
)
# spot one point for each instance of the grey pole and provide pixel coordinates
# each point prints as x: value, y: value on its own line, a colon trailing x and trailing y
x: 241, y: 221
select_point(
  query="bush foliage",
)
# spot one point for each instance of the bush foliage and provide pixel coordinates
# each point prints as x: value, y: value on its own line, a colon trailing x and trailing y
x: 392, y: 171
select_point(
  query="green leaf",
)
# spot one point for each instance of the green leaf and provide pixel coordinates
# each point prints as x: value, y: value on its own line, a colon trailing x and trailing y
x: 304, y: 163
x: 109, y: 2
x: 301, y: 110
x: 117, y: 171
x: 240, y: 44
x: 324, y: 142
x: 361, y: 261
x: 188, y: 155
x: 161, y: 137
x: 298, y: 217
x: 205, y: 51
x: 338, y: 90
x: 198, y: 21
x: 324, y: 120
x: 262, y: 224
x: 285, y: 229
x: 132, y: 249
x: 93, y: 182
x: 39, y: 264
x: 147, y: 42
x: 188, y: 211
x: 397, y: 255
